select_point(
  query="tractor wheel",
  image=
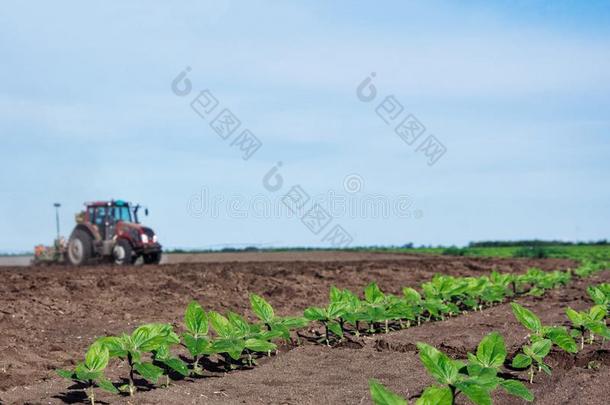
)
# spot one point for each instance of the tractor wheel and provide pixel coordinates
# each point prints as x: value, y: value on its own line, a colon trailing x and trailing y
x: 152, y: 258
x: 122, y: 253
x: 79, y: 248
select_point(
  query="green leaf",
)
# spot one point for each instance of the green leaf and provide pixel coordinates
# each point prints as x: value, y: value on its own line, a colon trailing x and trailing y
x: 258, y: 345
x: 517, y: 388
x: 336, y: 310
x: 239, y: 325
x: 196, y: 346
x: 166, y: 332
x: 177, y: 365
x: 562, y: 338
x: 220, y: 324
x: 335, y: 328
x: 149, y: 337
x: 383, y: 396
x: 294, y: 322
x: 492, y: 351
x: 475, y: 392
x: 597, y: 313
x: 233, y: 347
x: 162, y: 353
x: 575, y: 317
x: 372, y: 294
x: 195, y: 319
x: 261, y: 308
x: 521, y: 361
x: 441, y: 367
x: 435, y: 395
x: 598, y: 328
x: 97, y: 357
x: 335, y: 294
x: 541, y: 348
x: 149, y: 371
x: 315, y: 314
x: 70, y: 375
x: 477, y: 370
x: 487, y: 379
x: 411, y: 295
x: 106, y: 385
x: 376, y: 313
x: 526, y: 317
x: 597, y: 295
x: 117, y: 346
x: 84, y: 374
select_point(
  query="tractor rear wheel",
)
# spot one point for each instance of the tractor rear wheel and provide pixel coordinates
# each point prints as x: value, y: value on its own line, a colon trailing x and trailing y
x: 79, y: 248
x: 152, y: 258
x: 122, y: 253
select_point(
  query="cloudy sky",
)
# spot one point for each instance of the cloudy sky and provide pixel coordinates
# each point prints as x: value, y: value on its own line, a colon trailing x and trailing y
x: 518, y: 94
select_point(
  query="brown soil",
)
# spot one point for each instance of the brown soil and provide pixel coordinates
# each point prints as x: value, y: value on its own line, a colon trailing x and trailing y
x: 48, y: 316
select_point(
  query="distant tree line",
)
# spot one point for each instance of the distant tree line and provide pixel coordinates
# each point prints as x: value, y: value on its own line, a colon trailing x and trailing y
x: 534, y: 243
x: 452, y: 250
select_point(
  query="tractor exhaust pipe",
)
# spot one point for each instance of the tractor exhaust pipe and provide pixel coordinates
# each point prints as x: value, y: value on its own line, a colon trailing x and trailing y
x: 57, y: 205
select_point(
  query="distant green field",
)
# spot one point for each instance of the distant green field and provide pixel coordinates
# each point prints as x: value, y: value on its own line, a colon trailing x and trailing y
x: 532, y: 249
x: 578, y: 252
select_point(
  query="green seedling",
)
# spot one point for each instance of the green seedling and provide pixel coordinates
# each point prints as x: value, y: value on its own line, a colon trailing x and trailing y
x: 600, y: 294
x: 447, y: 373
x: 476, y: 380
x: 379, y: 309
x: 414, y: 301
x: 486, y: 363
x: 264, y: 311
x: 590, y: 267
x: 375, y: 308
x: 91, y: 372
x: 398, y: 309
x: 557, y: 335
x: 504, y: 280
x: 441, y: 293
x: 383, y: 396
x: 437, y: 309
x: 534, y: 355
x: 164, y: 357
x: 330, y: 317
x: 592, y: 321
x: 354, y: 310
x: 236, y: 337
x: 471, y: 299
x: 196, y: 339
x: 493, y: 294
x: 540, y: 281
x: 132, y: 348
x: 445, y: 288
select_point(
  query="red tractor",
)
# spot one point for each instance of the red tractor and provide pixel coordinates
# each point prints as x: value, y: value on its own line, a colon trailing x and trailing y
x: 106, y: 230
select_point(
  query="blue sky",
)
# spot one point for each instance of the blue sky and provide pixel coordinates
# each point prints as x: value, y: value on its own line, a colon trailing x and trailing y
x: 518, y: 92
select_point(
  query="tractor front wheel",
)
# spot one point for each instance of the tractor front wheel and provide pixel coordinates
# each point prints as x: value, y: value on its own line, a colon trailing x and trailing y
x: 122, y: 253
x: 79, y: 248
x: 152, y: 258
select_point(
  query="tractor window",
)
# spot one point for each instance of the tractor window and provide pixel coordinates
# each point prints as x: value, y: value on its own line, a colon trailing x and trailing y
x: 122, y: 213
x: 100, y: 216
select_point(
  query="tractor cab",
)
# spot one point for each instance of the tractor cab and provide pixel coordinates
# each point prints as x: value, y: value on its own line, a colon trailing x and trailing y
x: 112, y: 229
x: 105, y: 216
